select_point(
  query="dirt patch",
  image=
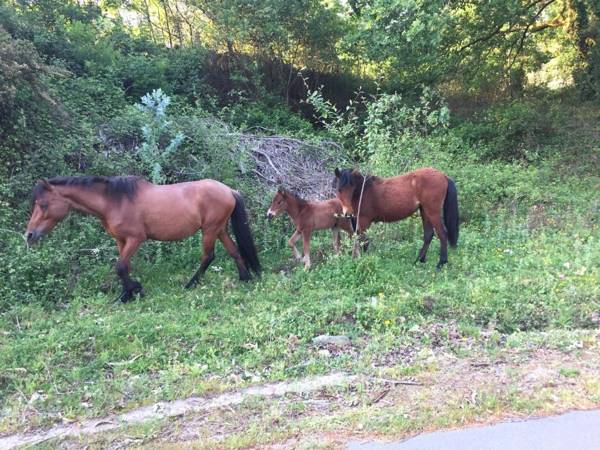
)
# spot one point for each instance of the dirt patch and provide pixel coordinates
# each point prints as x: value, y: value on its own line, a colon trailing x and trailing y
x: 458, y: 392
x: 175, y: 408
x: 389, y: 402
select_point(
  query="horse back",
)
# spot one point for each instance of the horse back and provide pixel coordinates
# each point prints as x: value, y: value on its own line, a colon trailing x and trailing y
x: 321, y: 215
x: 398, y: 197
x: 175, y: 211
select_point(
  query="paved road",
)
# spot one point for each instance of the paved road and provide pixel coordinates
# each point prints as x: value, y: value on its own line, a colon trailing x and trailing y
x: 578, y: 430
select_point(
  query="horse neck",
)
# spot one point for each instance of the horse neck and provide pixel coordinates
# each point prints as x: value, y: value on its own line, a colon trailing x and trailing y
x: 293, y: 207
x: 88, y: 200
x: 369, y: 200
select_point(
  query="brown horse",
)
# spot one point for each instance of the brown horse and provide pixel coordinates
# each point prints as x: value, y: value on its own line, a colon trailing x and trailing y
x: 133, y: 210
x: 308, y: 217
x: 374, y: 199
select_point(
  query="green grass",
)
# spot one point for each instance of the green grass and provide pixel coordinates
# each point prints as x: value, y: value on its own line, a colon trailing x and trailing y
x: 89, y: 356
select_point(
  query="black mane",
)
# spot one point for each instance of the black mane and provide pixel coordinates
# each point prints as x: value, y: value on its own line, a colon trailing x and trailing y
x: 116, y: 187
x: 354, y: 179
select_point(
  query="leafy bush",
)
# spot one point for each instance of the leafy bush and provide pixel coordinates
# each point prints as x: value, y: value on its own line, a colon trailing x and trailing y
x: 153, y: 154
x: 374, y: 126
x: 516, y: 130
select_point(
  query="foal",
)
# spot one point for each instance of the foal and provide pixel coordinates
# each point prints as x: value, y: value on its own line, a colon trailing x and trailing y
x: 133, y: 210
x: 307, y: 217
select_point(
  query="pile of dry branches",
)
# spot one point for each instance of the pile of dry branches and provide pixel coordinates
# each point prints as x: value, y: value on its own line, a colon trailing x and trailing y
x: 303, y: 167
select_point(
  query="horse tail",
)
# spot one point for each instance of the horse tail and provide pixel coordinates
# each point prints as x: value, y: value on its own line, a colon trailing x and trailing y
x: 451, y: 212
x: 243, y: 235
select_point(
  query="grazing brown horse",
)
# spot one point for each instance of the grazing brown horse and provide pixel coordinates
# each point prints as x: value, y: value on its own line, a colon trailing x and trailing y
x: 308, y: 217
x: 374, y: 199
x: 133, y: 210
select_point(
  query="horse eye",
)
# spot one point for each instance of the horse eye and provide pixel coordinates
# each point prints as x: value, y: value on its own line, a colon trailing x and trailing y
x: 44, y: 206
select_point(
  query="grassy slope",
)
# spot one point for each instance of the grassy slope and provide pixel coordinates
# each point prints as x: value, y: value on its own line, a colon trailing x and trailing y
x: 514, y: 269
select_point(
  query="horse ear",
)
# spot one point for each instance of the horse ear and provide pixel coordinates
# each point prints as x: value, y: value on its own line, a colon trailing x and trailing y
x: 337, y: 172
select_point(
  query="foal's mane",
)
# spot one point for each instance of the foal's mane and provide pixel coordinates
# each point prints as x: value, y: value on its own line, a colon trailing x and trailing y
x: 115, y: 187
x: 298, y: 199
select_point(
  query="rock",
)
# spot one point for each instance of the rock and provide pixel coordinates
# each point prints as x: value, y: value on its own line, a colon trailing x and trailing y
x: 539, y: 375
x: 324, y: 353
x: 338, y: 341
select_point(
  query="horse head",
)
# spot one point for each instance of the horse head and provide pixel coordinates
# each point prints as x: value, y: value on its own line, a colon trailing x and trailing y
x: 348, y: 185
x: 49, y: 208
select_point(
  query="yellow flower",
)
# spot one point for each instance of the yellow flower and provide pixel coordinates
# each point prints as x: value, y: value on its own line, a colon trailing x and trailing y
x: 381, y: 295
x: 387, y: 323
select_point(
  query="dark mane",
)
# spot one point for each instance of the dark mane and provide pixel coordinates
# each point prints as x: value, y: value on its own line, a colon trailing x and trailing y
x: 115, y: 187
x: 354, y: 179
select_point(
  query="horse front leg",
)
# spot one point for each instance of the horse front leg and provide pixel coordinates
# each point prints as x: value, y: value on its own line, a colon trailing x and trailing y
x: 360, y: 238
x: 131, y: 287
x: 336, y: 239
x: 306, y: 247
x: 208, y: 247
x: 292, y: 243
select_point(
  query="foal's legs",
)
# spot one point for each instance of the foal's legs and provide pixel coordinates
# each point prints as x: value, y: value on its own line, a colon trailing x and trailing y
x: 209, y: 236
x: 127, y: 248
x: 306, y: 247
x: 292, y: 243
x: 233, y: 251
x: 336, y: 239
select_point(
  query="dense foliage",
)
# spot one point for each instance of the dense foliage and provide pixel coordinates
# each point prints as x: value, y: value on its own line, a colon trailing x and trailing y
x: 502, y: 96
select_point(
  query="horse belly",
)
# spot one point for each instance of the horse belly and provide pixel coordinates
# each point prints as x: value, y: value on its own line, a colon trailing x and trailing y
x: 400, y: 213
x: 172, y: 224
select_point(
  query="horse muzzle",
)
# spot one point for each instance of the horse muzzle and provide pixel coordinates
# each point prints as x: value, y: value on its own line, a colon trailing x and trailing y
x: 270, y: 214
x: 33, y: 236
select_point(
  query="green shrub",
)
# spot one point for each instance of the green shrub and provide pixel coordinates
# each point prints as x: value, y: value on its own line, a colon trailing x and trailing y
x: 516, y: 130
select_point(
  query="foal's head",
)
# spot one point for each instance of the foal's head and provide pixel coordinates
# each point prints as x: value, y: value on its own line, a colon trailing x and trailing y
x: 278, y: 203
x: 49, y: 208
x: 348, y: 184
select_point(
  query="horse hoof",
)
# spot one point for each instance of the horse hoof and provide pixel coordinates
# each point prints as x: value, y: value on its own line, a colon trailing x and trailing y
x: 245, y: 276
x: 193, y: 282
x: 124, y: 297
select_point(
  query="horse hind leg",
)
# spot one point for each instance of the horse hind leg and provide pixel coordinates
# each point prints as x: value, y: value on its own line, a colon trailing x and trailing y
x: 439, y: 228
x: 208, y: 255
x: 427, y: 238
x: 235, y: 254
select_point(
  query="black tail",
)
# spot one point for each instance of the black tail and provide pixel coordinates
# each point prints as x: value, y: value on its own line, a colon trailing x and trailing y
x: 451, y: 213
x: 243, y: 235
